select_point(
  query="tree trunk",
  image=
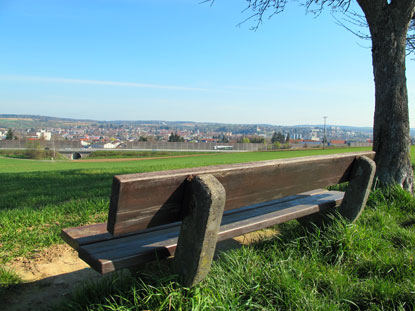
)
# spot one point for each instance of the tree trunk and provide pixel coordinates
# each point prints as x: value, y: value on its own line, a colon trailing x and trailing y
x: 388, y: 29
x: 391, y: 123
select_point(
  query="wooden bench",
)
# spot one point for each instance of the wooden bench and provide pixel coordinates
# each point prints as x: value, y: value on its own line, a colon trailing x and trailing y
x: 152, y: 215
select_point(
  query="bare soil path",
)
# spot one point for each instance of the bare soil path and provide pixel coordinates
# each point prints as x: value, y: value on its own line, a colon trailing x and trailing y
x: 52, y: 274
x: 49, y: 276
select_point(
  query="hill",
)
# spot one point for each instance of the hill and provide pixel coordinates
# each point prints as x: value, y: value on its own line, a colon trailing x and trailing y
x: 19, y: 121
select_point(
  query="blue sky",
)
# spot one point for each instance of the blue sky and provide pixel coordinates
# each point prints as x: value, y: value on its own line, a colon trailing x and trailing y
x: 182, y: 60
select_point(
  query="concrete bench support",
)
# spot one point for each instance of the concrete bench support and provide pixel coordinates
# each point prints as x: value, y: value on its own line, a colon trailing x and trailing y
x: 361, y: 181
x: 355, y: 198
x: 204, y: 204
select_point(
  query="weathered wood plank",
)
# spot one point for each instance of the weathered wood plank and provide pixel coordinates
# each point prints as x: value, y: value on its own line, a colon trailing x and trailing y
x: 146, y: 200
x: 77, y: 236
x: 88, y: 234
x: 270, y: 215
x: 128, y: 251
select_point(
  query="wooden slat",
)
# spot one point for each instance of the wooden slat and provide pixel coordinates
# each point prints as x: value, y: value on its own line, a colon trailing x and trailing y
x: 88, y: 234
x: 77, y: 236
x: 146, y: 200
x: 128, y: 251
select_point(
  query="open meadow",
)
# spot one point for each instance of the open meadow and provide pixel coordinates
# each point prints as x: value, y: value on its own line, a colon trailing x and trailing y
x: 367, y: 265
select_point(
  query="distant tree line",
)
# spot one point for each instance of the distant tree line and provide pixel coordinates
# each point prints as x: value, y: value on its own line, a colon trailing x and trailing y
x: 10, y: 135
x: 252, y: 140
x: 280, y: 138
x: 174, y: 137
x: 222, y: 139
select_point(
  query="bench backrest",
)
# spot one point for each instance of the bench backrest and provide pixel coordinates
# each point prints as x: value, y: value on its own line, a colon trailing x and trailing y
x: 145, y: 200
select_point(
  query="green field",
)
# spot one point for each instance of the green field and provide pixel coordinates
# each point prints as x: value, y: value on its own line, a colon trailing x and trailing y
x: 37, y: 154
x: 17, y: 166
x: 47, y: 196
x: 369, y: 265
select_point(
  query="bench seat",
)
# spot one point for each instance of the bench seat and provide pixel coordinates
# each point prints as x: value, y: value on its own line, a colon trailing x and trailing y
x: 106, y: 253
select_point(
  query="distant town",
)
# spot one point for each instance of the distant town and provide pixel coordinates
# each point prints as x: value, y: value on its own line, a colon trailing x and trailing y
x: 117, y: 134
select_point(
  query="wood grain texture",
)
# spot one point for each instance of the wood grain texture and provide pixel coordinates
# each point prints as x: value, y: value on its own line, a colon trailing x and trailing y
x: 76, y: 236
x: 146, y: 200
x: 83, y: 235
x: 122, y: 252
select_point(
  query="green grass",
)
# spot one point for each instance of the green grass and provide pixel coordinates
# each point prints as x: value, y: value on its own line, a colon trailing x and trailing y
x: 38, y: 154
x: 364, y: 266
x: 19, y: 166
x: 11, y: 153
x: 8, y: 277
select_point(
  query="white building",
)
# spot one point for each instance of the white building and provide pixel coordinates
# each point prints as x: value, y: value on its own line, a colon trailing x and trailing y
x: 111, y: 145
x: 44, y: 135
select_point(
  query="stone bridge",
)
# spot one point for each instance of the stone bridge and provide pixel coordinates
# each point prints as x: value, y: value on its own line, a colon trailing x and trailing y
x: 75, y: 154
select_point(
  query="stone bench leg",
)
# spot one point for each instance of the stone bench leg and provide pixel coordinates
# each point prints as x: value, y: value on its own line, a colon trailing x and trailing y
x: 355, y: 198
x: 360, y: 184
x: 203, y: 206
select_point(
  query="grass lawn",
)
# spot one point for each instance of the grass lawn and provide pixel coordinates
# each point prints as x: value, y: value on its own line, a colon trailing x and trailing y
x: 8, y: 165
x: 364, y: 266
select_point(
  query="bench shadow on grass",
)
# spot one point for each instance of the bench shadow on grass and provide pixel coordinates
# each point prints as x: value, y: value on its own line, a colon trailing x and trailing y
x: 44, y: 293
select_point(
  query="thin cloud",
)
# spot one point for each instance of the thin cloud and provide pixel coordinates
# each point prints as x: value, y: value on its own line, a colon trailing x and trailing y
x: 309, y: 87
x: 99, y: 82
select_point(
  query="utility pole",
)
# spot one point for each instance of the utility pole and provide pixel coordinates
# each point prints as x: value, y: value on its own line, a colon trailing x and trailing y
x: 324, y: 138
x: 54, y: 149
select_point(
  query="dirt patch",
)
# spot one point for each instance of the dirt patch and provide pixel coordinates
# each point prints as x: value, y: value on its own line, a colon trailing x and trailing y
x: 246, y: 239
x: 49, y: 276
x: 55, y: 260
x: 52, y: 274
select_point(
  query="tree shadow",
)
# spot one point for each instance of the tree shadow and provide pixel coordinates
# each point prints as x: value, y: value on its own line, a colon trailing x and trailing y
x: 37, y: 189
x: 44, y: 293
x: 87, y: 286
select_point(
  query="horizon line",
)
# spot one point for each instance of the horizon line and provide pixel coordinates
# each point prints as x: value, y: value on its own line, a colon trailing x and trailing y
x: 181, y: 121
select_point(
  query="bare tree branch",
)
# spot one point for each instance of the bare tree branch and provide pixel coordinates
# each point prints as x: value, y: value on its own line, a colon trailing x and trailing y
x: 317, y: 6
x: 410, y: 38
x: 351, y: 21
x: 357, y: 21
